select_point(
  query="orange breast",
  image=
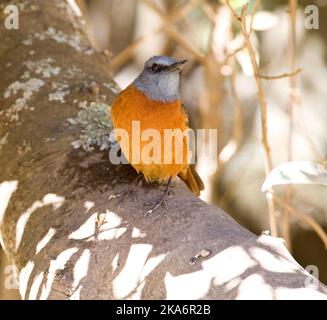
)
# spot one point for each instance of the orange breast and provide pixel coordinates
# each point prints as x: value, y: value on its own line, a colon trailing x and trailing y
x: 156, y: 158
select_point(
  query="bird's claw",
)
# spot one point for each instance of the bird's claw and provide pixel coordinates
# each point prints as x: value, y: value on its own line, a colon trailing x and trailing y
x: 161, y: 202
x: 131, y: 191
x: 124, y: 195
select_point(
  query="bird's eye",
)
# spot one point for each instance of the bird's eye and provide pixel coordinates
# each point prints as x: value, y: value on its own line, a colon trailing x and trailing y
x: 155, y: 67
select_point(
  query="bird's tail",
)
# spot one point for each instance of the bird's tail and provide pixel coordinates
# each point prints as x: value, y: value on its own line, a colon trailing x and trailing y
x: 192, y: 180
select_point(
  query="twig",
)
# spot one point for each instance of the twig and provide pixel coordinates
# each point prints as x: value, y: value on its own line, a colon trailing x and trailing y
x: 263, y: 105
x: 243, y: 46
x: 232, y: 146
x: 212, y: 97
x: 233, y: 53
x: 292, y: 4
x: 238, y: 115
x: 128, y: 52
x: 284, y: 75
x: 306, y: 218
x: 174, y: 33
x: 207, y: 9
x: 255, y: 8
x: 235, y: 15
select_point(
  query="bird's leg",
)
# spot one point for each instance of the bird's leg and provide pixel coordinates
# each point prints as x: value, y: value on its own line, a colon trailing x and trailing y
x: 161, y: 201
x: 129, y: 192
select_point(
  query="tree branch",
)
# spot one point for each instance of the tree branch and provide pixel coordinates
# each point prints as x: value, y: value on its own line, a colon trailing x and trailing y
x: 57, y: 225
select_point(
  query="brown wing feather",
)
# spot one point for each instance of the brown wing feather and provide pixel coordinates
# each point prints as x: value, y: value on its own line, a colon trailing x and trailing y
x: 184, y: 110
x: 191, y: 178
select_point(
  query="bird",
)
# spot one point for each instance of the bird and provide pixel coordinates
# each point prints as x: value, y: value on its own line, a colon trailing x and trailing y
x: 153, y: 100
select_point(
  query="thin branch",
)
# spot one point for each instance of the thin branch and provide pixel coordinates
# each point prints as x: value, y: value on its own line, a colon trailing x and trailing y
x: 212, y: 97
x: 235, y: 15
x: 264, y: 108
x: 292, y: 4
x: 255, y: 8
x: 234, y: 52
x: 243, y: 46
x: 238, y: 114
x: 128, y: 52
x: 284, y: 75
x: 198, y: 55
x: 207, y: 9
x: 232, y: 146
x: 238, y: 107
x: 305, y: 218
x: 263, y: 105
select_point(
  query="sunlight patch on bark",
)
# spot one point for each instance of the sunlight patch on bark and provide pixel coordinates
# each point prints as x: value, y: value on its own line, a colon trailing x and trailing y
x: 48, y: 199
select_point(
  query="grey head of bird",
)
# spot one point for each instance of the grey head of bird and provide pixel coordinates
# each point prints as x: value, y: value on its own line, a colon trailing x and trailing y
x: 160, y: 78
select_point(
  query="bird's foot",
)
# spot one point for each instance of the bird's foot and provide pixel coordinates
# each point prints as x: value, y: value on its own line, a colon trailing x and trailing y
x: 130, y: 192
x: 168, y: 193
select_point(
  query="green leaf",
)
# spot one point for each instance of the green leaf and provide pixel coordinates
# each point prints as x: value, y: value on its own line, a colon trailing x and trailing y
x: 297, y: 172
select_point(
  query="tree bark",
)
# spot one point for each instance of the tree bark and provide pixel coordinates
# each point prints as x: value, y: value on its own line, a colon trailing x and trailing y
x: 57, y: 224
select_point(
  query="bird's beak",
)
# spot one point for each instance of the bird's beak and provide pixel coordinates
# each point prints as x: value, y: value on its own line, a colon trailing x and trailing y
x: 176, y: 66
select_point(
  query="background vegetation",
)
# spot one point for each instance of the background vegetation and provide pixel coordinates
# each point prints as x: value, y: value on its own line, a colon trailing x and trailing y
x: 258, y: 76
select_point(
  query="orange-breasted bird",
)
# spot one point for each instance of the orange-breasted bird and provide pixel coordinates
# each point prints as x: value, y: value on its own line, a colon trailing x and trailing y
x: 154, y: 101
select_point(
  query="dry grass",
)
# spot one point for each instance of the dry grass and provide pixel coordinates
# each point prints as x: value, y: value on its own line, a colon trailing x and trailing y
x: 305, y: 218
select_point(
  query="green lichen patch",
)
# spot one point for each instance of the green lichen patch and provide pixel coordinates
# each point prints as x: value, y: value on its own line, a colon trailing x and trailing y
x: 73, y: 40
x: 44, y: 68
x: 95, y: 127
x: 27, y: 88
x: 61, y: 90
x: 31, y: 80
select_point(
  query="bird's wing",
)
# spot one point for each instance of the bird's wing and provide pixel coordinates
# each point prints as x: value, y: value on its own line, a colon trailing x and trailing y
x: 191, y: 177
x: 184, y: 110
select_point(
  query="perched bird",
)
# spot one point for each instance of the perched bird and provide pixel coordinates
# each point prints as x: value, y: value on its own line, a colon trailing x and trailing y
x: 153, y: 99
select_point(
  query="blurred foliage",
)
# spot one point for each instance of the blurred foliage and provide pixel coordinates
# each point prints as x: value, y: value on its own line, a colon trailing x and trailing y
x: 220, y: 91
